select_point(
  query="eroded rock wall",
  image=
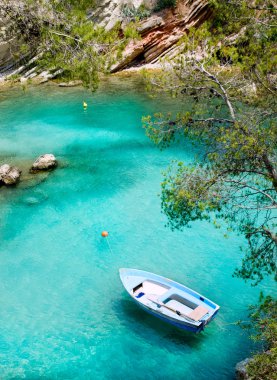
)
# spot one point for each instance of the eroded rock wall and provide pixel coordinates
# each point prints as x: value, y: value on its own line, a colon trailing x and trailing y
x: 109, y: 12
x: 159, y: 33
x: 7, y: 46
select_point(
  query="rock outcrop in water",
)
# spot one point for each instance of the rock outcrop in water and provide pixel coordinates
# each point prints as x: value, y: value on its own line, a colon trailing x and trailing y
x: 44, y: 162
x: 9, y: 175
x: 241, y: 372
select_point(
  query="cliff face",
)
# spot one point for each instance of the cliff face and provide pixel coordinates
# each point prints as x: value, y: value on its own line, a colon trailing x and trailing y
x: 159, y: 33
x: 109, y: 12
x: 8, y: 46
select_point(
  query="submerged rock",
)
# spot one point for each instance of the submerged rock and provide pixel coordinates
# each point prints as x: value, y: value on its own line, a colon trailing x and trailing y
x: 36, y: 197
x: 9, y: 175
x: 44, y: 162
x: 241, y: 371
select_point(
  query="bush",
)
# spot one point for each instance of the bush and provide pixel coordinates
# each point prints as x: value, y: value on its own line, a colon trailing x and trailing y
x: 133, y: 14
x: 263, y: 323
x: 162, y: 4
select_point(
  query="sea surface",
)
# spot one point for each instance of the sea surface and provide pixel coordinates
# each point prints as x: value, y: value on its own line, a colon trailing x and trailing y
x: 63, y: 311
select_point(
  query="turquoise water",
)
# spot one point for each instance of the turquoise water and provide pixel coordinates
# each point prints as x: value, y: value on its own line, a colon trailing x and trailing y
x: 64, y: 313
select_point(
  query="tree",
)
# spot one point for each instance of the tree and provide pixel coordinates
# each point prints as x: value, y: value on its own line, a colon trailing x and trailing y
x: 232, y: 85
x: 61, y: 36
x: 226, y: 73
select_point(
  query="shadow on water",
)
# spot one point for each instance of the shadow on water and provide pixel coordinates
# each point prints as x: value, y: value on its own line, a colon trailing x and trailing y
x: 86, y: 149
x: 143, y: 322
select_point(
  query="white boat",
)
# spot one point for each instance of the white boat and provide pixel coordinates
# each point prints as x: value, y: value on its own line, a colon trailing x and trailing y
x: 168, y: 300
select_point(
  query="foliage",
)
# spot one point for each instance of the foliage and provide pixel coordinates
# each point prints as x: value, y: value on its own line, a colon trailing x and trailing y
x: 263, y: 366
x: 61, y: 34
x: 162, y: 4
x: 231, y: 82
x: 264, y: 329
x: 130, y: 31
x: 225, y: 65
x: 135, y: 14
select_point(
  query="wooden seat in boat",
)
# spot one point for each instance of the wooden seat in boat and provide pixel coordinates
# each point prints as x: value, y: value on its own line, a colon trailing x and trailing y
x: 182, y: 308
x: 198, y: 313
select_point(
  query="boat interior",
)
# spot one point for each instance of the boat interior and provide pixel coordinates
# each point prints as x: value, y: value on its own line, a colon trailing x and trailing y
x: 150, y: 287
x: 169, y: 298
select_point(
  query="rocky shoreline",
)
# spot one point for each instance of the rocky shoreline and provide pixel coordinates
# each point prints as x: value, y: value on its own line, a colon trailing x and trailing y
x: 8, y: 83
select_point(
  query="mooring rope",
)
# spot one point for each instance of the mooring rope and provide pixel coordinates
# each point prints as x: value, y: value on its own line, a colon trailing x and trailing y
x: 107, y: 240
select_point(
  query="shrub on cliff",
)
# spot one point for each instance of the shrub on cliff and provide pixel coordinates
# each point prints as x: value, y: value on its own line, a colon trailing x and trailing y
x: 162, y: 4
x: 263, y: 324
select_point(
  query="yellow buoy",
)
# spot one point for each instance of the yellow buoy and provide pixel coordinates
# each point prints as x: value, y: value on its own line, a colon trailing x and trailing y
x: 85, y: 105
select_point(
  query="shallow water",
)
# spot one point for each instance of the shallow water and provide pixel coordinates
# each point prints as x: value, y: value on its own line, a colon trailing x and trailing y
x: 64, y: 313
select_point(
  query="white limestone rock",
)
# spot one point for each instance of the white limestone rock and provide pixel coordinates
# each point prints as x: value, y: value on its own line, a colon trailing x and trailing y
x: 9, y: 175
x: 44, y: 162
x: 72, y: 83
x: 109, y: 12
x: 150, y: 24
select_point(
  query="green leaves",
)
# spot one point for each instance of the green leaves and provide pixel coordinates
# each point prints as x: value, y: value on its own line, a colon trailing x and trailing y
x: 162, y: 4
x: 225, y: 72
x: 189, y: 193
x: 130, y: 31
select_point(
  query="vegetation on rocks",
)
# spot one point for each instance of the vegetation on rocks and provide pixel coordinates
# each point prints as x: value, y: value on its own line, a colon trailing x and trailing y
x: 130, y: 13
x: 236, y: 179
x: 162, y: 4
x: 62, y: 36
x: 227, y: 70
x: 264, y: 330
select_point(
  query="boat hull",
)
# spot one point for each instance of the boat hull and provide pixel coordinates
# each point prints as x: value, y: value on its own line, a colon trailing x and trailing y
x: 182, y: 326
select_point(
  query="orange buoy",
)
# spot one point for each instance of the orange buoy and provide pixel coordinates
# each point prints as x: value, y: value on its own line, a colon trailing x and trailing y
x: 105, y: 233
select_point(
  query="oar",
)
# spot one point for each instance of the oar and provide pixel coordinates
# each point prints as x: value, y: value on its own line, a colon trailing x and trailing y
x: 170, y: 308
